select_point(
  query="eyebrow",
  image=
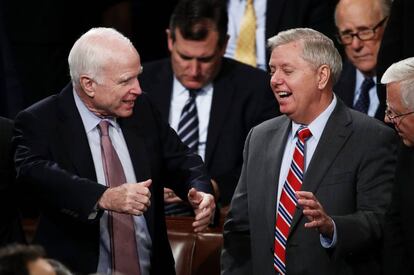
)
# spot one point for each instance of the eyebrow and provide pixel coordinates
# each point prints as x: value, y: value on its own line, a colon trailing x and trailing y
x: 202, y: 58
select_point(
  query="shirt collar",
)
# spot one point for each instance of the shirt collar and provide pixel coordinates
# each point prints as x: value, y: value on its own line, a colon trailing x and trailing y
x: 318, y: 124
x: 89, y: 119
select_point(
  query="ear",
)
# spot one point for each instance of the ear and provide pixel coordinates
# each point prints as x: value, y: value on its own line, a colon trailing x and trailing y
x: 324, y: 73
x: 88, y: 85
x: 169, y: 39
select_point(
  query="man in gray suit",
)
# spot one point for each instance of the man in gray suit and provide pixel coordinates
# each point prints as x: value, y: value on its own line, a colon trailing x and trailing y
x: 323, y: 212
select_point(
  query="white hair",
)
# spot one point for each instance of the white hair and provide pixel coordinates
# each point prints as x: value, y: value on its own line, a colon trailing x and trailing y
x: 403, y: 72
x: 318, y: 49
x: 92, y: 51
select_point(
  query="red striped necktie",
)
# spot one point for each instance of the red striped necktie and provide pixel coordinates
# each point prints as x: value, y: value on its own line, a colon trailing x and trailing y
x: 288, y: 201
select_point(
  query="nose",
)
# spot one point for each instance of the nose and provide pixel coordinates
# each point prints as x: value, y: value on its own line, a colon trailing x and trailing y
x: 194, y: 67
x: 356, y: 43
x: 136, y: 87
x: 276, y: 79
x: 386, y: 119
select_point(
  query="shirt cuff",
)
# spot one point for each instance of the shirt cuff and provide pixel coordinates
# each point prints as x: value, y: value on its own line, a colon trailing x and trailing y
x: 94, y: 212
x: 327, y: 242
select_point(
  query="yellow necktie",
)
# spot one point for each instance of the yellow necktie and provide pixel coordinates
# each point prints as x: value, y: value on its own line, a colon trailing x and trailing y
x: 246, y: 43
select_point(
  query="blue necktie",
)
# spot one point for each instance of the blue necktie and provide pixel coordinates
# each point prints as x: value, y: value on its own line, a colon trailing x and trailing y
x: 363, y: 101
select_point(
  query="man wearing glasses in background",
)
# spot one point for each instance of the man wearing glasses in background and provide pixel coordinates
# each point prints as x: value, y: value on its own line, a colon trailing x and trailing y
x: 398, y: 238
x: 360, y: 26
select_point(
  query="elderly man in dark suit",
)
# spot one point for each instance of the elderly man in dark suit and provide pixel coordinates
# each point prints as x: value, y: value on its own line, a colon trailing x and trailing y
x: 361, y: 26
x: 232, y: 97
x: 399, y: 242
x: 96, y: 155
x: 316, y: 181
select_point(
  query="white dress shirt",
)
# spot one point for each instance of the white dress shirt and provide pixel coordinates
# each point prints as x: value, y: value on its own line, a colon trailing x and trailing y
x: 179, y: 97
x: 235, y: 10
x: 143, y: 238
x: 316, y: 127
x: 373, y: 96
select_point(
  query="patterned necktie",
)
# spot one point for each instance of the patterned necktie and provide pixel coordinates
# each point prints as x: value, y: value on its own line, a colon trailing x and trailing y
x: 288, y: 201
x: 246, y: 42
x: 121, y: 227
x: 363, y: 101
x: 188, y: 125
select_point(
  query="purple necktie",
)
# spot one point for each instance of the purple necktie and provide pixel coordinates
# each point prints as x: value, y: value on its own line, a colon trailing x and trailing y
x: 121, y: 226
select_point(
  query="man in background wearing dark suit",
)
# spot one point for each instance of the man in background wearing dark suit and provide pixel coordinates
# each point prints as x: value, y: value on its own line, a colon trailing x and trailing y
x: 96, y: 156
x: 232, y: 96
x: 10, y: 223
x: 399, y: 240
x: 361, y: 26
x: 316, y: 181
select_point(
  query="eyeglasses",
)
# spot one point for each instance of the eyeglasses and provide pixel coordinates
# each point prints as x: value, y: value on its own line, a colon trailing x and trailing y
x: 393, y: 117
x: 363, y: 35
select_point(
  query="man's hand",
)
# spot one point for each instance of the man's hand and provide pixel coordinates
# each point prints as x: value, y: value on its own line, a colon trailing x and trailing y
x: 204, y: 206
x: 128, y: 198
x: 170, y: 196
x: 315, y: 213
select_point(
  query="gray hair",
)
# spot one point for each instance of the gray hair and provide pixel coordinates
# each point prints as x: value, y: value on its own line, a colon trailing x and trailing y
x: 318, y: 49
x: 385, y: 6
x: 92, y: 51
x: 403, y: 72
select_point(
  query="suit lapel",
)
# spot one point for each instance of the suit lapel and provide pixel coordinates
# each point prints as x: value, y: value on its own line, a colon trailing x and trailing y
x: 73, y: 136
x: 220, y: 105
x: 135, y: 142
x: 337, y: 131
x: 274, y: 151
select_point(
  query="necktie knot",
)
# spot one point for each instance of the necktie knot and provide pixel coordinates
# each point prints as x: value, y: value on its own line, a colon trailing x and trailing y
x: 367, y: 84
x: 304, y: 133
x: 193, y: 93
x: 363, y: 101
x: 103, y: 126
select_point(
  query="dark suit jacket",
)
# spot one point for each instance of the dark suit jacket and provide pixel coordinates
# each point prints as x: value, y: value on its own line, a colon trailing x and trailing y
x: 10, y: 226
x: 53, y: 153
x: 398, y: 40
x: 399, y: 238
x: 345, y: 90
x: 352, y: 180
x: 242, y: 98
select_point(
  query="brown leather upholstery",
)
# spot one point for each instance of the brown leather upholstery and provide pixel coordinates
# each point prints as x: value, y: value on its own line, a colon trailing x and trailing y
x: 194, y: 253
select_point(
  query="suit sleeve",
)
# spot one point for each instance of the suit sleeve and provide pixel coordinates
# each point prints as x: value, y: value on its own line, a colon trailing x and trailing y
x: 57, y: 189
x: 236, y: 253
x: 363, y: 229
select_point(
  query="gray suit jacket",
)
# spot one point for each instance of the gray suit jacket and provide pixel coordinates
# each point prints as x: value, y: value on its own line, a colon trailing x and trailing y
x: 350, y: 173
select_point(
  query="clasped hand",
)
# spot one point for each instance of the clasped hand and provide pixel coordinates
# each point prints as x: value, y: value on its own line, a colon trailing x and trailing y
x: 128, y: 198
